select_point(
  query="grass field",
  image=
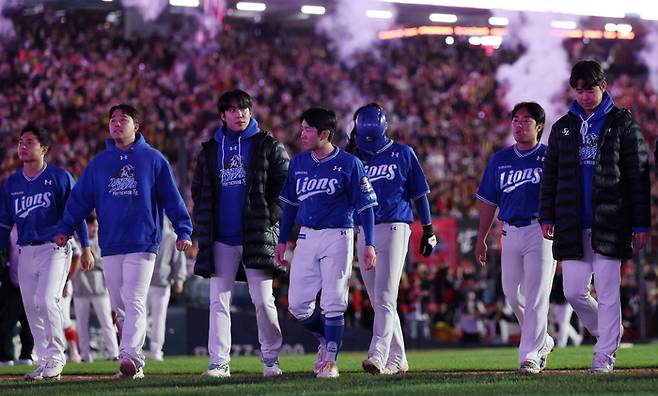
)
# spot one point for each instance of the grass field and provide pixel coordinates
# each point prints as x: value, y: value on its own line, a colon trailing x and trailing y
x: 446, y: 371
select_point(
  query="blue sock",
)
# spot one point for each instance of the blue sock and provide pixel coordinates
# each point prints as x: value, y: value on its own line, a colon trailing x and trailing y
x: 315, y: 324
x: 333, y: 330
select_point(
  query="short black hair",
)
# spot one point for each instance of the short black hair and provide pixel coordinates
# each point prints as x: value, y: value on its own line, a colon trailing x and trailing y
x: 41, y: 134
x: 237, y: 98
x: 590, y: 72
x: 536, y: 112
x: 91, y: 218
x: 127, y: 110
x: 320, y: 119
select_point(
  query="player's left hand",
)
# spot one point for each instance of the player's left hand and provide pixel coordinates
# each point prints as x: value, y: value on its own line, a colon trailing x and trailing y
x: 87, y: 260
x: 178, y: 287
x: 370, y: 257
x: 640, y: 239
x: 427, y: 241
x: 183, y: 244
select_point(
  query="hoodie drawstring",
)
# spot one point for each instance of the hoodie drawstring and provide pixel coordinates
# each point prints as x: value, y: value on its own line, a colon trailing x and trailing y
x: 222, y: 172
x: 584, y: 126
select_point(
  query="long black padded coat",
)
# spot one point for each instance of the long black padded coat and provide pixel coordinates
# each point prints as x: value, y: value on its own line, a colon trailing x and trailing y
x: 620, y: 187
x: 266, y: 175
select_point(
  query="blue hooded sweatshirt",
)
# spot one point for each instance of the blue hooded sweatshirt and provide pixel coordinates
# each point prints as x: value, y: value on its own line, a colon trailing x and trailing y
x: 129, y: 189
x: 590, y: 132
x: 232, y: 168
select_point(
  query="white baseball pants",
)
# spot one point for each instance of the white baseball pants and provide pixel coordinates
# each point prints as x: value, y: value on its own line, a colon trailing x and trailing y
x: 382, y: 284
x: 128, y: 277
x: 227, y: 260
x: 103, y: 312
x: 158, y: 301
x: 322, y: 260
x: 527, y: 277
x: 42, y: 273
x: 603, y: 317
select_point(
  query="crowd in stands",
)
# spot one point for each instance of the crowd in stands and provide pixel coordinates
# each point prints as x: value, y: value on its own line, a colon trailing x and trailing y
x: 443, y: 100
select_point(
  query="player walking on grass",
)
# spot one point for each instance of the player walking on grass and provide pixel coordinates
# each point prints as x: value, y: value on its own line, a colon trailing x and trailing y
x: 236, y: 186
x: 325, y: 189
x: 595, y: 204
x: 511, y: 183
x: 397, y: 178
x: 33, y: 198
x: 129, y: 185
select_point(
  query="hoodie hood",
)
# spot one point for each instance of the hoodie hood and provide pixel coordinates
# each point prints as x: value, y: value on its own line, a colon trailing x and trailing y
x: 601, y: 111
x: 225, y: 132
x: 140, y: 143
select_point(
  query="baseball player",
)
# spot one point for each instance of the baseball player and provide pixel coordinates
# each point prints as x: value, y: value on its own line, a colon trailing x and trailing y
x: 33, y: 198
x: 510, y: 184
x: 129, y: 185
x: 325, y: 188
x: 236, y: 185
x: 397, y: 178
x: 170, y: 269
x: 89, y: 290
x: 595, y: 203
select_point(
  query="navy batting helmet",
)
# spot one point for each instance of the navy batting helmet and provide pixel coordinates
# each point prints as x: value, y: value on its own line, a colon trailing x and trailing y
x: 370, y: 127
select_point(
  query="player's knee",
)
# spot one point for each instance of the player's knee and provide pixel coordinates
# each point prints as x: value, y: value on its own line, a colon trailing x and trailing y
x: 300, y: 311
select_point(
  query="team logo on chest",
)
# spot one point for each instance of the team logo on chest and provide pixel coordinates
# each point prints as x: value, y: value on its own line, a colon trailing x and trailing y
x: 124, y: 182
x: 308, y: 186
x: 377, y: 172
x: 512, y: 179
x: 26, y: 204
x: 233, y: 172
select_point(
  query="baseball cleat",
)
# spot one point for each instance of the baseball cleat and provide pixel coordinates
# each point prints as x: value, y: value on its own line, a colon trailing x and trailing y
x: 328, y: 370
x: 372, y: 365
x: 221, y: 370
x: 602, y: 363
x: 530, y: 367
x: 319, y: 360
x: 272, y: 370
x: 36, y: 375
x: 139, y: 374
x: 52, y: 370
x: 394, y: 368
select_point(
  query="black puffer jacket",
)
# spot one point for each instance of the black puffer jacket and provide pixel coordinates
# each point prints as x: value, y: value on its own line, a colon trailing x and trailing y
x: 620, y: 187
x: 266, y: 174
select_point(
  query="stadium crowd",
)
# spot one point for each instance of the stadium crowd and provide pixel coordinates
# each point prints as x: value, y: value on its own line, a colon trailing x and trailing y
x: 443, y: 100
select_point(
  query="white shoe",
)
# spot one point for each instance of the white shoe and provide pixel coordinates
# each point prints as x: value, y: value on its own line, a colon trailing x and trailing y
x: 74, y: 356
x: 319, y: 360
x: 139, y: 374
x: 7, y: 363
x: 548, y: 347
x: 221, y: 370
x: 36, y: 375
x: 157, y: 356
x: 392, y: 368
x: 272, y: 371
x: 328, y: 370
x: 128, y: 369
x: 24, y: 362
x: 530, y: 367
x: 372, y: 365
x: 602, y: 363
x: 53, y: 370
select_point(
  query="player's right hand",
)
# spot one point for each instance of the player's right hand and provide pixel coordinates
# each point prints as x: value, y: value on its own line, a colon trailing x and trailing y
x: 547, y: 230
x: 60, y: 240
x: 481, y: 252
x: 279, y: 254
x: 370, y: 257
x: 87, y: 260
